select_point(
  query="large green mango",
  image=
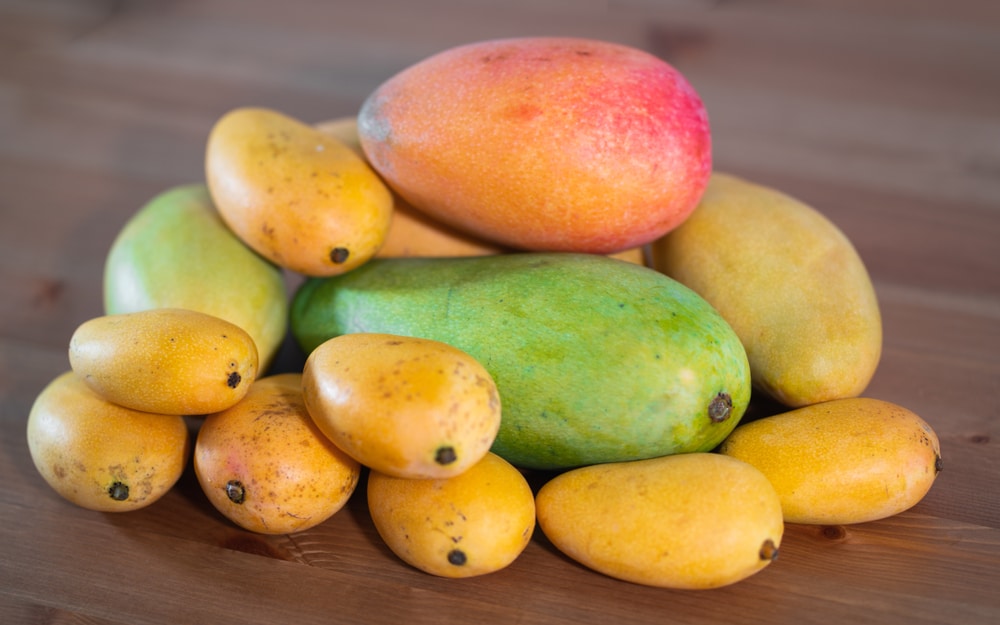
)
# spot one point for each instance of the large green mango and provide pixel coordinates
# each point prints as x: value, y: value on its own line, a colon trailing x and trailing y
x: 176, y: 252
x: 596, y: 359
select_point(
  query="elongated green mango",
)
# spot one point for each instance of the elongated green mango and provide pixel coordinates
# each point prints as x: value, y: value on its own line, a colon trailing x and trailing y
x: 176, y: 252
x: 595, y: 359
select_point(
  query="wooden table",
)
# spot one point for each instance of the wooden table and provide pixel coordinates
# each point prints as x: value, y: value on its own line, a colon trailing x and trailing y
x: 884, y: 114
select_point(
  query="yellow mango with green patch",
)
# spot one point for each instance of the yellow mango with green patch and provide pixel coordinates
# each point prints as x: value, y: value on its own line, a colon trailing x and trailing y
x: 788, y: 281
x: 296, y: 195
x: 694, y: 521
x: 165, y: 360
x: 474, y: 523
x: 843, y: 461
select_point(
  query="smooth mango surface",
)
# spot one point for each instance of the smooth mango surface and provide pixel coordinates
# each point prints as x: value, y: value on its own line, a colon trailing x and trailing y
x: 297, y: 196
x: 176, y: 252
x: 788, y: 281
x: 165, y: 360
x: 842, y: 461
x: 698, y: 520
x: 595, y: 359
x: 265, y: 465
x: 100, y: 455
x: 404, y: 406
x: 413, y: 233
x: 474, y: 523
x: 543, y: 143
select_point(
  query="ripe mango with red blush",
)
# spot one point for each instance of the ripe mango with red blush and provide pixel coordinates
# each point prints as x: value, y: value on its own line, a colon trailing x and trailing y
x: 543, y: 143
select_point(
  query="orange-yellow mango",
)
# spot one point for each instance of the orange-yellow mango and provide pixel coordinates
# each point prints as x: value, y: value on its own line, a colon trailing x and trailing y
x: 404, y: 406
x: 165, y: 360
x: 102, y: 456
x: 413, y: 233
x: 474, y: 523
x: 298, y: 196
x: 543, y: 143
x: 693, y: 521
x: 265, y: 465
x: 842, y: 461
x: 788, y: 281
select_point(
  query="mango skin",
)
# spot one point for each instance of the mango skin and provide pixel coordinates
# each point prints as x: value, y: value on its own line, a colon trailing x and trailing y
x: 595, y: 359
x: 843, y: 461
x: 412, y: 233
x: 691, y: 521
x: 176, y: 252
x: 102, y: 456
x: 543, y: 143
x: 265, y: 465
x: 471, y: 524
x: 297, y: 196
x: 789, y: 282
x: 165, y: 360
x: 404, y: 406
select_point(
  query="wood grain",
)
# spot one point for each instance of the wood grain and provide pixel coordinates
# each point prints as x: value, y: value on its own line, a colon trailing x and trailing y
x: 883, y: 114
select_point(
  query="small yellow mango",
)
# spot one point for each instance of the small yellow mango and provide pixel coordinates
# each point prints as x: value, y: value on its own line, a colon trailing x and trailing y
x: 471, y: 524
x: 842, y: 461
x: 165, y: 360
x: 697, y: 520
x: 401, y: 405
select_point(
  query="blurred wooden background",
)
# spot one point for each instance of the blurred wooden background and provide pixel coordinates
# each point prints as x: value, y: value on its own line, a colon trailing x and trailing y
x: 884, y: 114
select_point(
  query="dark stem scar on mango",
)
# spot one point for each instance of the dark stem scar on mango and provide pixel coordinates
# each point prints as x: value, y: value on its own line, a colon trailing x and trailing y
x: 445, y: 455
x: 233, y: 380
x: 235, y: 491
x: 768, y: 550
x: 720, y: 407
x: 339, y: 255
x: 118, y: 491
x: 938, y: 464
x: 456, y: 557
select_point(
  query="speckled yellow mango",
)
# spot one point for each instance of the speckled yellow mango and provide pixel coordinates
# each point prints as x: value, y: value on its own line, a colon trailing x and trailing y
x: 102, y: 456
x: 472, y: 524
x: 265, y: 465
x: 413, y: 233
x: 165, y: 360
x: 788, y: 281
x: 694, y: 521
x: 842, y: 461
x: 296, y: 195
x: 404, y: 406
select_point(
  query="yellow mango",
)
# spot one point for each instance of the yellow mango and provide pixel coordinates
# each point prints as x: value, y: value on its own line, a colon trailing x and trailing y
x: 695, y: 521
x: 102, y: 456
x: 471, y: 524
x: 842, y: 461
x: 790, y: 284
x: 297, y: 196
x: 404, y: 406
x: 413, y: 233
x: 165, y: 360
x: 265, y: 465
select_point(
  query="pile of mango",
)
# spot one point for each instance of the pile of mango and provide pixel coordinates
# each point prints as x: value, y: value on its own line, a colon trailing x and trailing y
x: 516, y: 260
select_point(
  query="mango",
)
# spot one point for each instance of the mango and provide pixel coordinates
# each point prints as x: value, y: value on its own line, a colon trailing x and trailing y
x: 471, y: 524
x: 543, y: 143
x: 165, y: 360
x: 265, y: 465
x: 412, y: 233
x: 691, y: 521
x: 102, y: 456
x: 176, y: 252
x: 404, y: 406
x: 843, y: 461
x: 595, y: 359
x: 297, y: 196
x: 789, y: 282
